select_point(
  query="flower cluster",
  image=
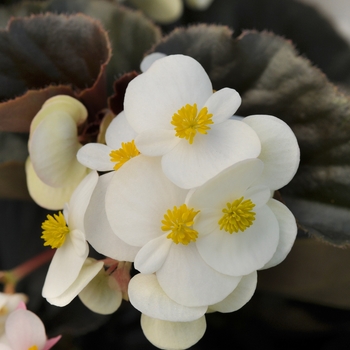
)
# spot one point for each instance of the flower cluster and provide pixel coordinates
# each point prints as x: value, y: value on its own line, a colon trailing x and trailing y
x: 186, y: 194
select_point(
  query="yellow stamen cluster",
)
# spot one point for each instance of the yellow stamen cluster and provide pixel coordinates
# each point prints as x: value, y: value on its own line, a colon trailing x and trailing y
x: 123, y: 154
x: 188, y: 122
x: 237, y: 216
x: 179, y: 222
x: 54, y: 230
x: 34, y: 347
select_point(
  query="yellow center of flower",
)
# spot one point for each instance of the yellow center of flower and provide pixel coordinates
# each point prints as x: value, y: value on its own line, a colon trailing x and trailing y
x: 179, y: 222
x: 188, y: 122
x: 3, y: 311
x: 238, y: 215
x: 123, y: 154
x: 34, y: 347
x: 54, y: 230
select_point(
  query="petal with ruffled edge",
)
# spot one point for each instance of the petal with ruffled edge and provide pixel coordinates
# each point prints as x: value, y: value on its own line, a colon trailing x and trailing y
x: 287, y: 232
x: 46, y: 196
x: 53, y: 147
x: 97, y: 229
x: 152, y: 98
x: 172, y: 335
x: 99, y: 296
x: 189, y: 281
x: 191, y: 165
x: 147, y: 296
x: 223, y: 104
x: 241, y: 253
x: 137, y: 198
x: 279, y: 150
x: 89, y: 270
x: 25, y: 329
x: 64, y: 268
x: 239, y: 297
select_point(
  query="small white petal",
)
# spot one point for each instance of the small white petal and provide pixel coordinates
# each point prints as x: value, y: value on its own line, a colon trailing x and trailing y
x: 99, y: 297
x: 173, y: 335
x: 147, y: 296
x: 152, y: 255
x: 223, y: 104
x: 227, y: 143
x: 152, y: 98
x: 287, y: 232
x: 97, y: 229
x: 239, y: 297
x: 189, y: 281
x: 88, y: 271
x: 156, y: 142
x: 279, y: 149
x: 150, y: 59
x: 79, y: 242
x: 95, y: 156
x: 259, y: 195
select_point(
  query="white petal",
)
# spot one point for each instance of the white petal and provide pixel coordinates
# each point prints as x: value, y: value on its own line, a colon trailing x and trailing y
x: 138, y: 197
x: 206, y: 221
x: 156, y: 142
x: 99, y: 297
x: 230, y: 184
x: 88, y: 271
x: 119, y: 131
x: 79, y: 242
x: 147, y: 296
x: 189, y: 281
x: 241, y: 253
x: 227, y: 143
x: 63, y: 271
x: 95, y: 156
x: 223, y: 104
x: 173, y: 335
x: 152, y: 255
x: 240, y: 296
x: 259, y: 195
x: 279, y: 149
x: 97, y: 229
x: 25, y: 329
x: 80, y: 200
x: 150, y: 59
x: 171, y: 82
x: 46, y: 196
x: 288, y: 231
x: 53, y: 147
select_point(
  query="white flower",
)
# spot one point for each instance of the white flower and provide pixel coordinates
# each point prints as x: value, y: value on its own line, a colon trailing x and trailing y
x: 53, y: 171
x: 25, y: 330
x: 173, y: 109
x: 67, y: 234
x: 8, y: 303
x: 119, y: 149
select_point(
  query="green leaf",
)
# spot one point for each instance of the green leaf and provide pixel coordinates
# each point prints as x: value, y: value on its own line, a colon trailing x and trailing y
x: 272, y: 79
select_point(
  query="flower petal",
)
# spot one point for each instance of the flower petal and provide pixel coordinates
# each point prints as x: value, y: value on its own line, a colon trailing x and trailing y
x: 279, y: 149
x: 244, y: 252
x: 227, y: 143
x: 138, y: 197
x: 152, y: 255
x: 189, y: 281
x: 240, y: 296
x: 173, y: 335
x: 98, y: 295
x: 288, y: 230
x: 150, y: 59
x: 223, y: 104
x: 97, y: 229
x: 152, y: 98
x: 95, y: 156
x: 147, y: 296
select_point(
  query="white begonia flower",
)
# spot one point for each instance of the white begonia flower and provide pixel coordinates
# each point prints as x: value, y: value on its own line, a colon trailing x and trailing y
x: 9, y: 303
x: 241, y: 229
x: 140, y: 202
x: 25, y: 331
x: 120, y: 147
x: 173, y: 109
x: 52, y: 169
x: 173, y: 335
x: 66, y: 233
